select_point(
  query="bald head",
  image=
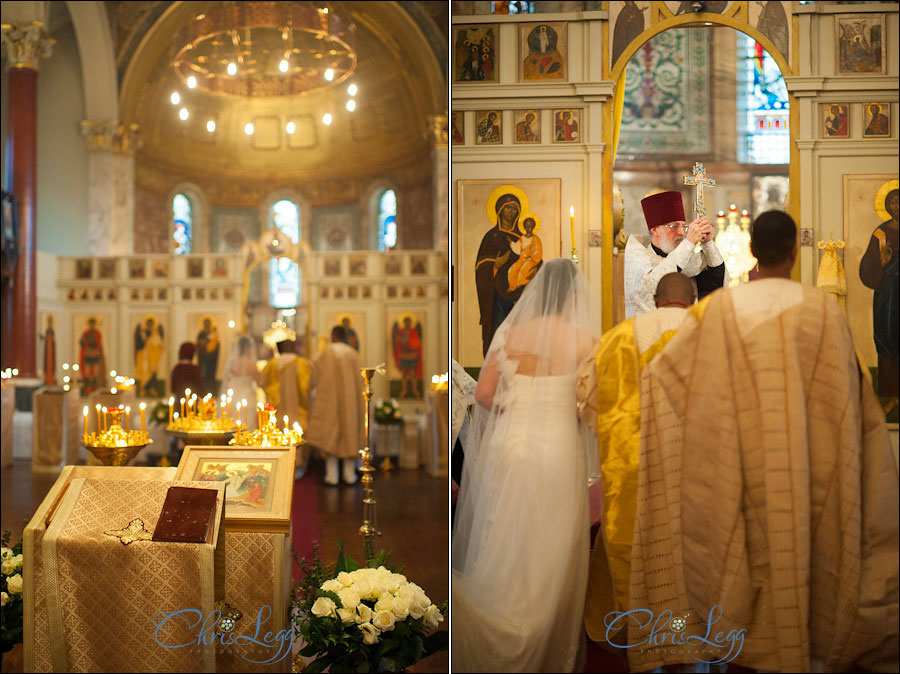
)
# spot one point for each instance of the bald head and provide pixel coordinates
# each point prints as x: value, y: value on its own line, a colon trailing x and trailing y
x: 674, y: 288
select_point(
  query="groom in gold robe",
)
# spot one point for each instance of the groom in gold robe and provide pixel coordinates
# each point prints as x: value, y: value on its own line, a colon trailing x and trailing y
x: 767, y: 490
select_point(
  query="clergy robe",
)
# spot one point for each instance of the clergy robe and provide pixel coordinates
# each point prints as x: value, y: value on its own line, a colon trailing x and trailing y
x: 766, y: 487
x: 336, y: 419
x: 608, y: 401
x: 645, y: 265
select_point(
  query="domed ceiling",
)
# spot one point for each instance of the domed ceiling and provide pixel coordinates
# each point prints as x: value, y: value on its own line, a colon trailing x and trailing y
x: 400, y: 81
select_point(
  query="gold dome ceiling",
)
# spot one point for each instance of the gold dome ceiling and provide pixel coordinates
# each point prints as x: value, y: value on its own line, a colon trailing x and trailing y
x: 400, y: 83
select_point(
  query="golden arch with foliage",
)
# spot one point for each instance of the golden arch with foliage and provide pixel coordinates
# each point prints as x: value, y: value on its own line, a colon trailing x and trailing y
x: 662, y: 19
x: 273, y: 244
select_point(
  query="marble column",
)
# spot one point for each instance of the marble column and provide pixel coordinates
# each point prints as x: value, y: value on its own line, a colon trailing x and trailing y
x: 110, y: 186
x: 438, y: 126
x: 26, y: 44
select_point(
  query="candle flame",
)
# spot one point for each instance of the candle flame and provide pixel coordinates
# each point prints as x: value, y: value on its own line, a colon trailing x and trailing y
x: 571, y: 211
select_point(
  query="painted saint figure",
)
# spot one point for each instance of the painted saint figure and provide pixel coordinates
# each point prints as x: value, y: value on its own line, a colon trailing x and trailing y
x: 544, y: 60
x: 208, y: 354
x: 407, y: 342
x: 566, y: 127
x: 148, y: 351
x: 352, y: 337
x: 530, y: 252
x: 525, y: 130
x: 90, y: 358
x: 878, y: 270
x: 880, y: 124
x: 489, y: 129
x: 836, y: 122
x: 495, y: 257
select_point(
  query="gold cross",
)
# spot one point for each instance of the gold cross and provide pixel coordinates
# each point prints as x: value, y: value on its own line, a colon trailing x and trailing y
x: 699, y: 180
x: 133, y: 532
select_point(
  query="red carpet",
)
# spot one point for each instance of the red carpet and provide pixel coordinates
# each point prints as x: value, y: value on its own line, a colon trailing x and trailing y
x: 305, y: 518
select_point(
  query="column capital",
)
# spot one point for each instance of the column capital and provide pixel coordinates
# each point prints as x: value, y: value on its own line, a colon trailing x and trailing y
x: 113, y: 136
x: 438, y: 130
x: 26, y: 44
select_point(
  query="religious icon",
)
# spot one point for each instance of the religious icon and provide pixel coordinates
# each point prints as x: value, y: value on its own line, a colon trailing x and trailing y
x: 773, y: 23
x: 392, y: 266
x: 406, y: 337
x: 565, y: 126
x: 336, y: 237
x: 220, y: 268
x: 91, y: 360
x: 346, y: 321
x: 391, y: 292
x: 835, y: 120
x: 162, y: 295
x: 185, y: 293
x: 860, y: 43
x: 475, y: 53
x: 248, y: 483
x: 629, y: 24
x: 420, y: 291
x: 195, y: 267
x: 418, y: 265
x: 405, y: 291
x: 160, y: 268
x: 352, y: 292
x: 877, y: 119
x: 338, y: 293
x: 200, y: 294
x: 332, y: 266
x: 149, y: 349
x: 106, y: 268
x: 111, y: 295
x: 83, y: 269
x: 879, y: 269
x: 48, y: 337
x: 487, y: 127
x: 208, y: 352
x: 594, y: 238
x: 367, y: 292
x: 323, y: 292
x: 544, y: 45
x: 136, y: 269
x: 148, y: 294
x: 98, y: 295
x: 357, y: 266
x: 768, y: 193
x: 456, y: 128
x: 135, y: 295
x: 214, y: 293
x: 229, y: 294
x: 528, y: 126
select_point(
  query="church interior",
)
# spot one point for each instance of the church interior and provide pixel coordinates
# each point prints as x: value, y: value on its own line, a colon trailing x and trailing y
x: 205, y: 172
x: 260, y: 179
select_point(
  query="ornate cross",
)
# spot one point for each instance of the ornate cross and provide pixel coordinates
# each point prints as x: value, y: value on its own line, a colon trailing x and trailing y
x: 699, y: 180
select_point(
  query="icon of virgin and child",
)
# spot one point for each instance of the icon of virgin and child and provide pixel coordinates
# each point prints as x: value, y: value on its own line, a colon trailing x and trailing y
x: 509, y: 256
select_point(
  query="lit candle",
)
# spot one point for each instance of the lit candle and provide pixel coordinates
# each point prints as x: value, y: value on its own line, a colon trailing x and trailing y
x: 105, y: 410
x: 143, y: 420
x: 572, y: 223
x: 285, y: 422
x: 223, y: 410
x: 99, y: 424
x: 84, y: 432
x: 171, y: 404
x: 127, y: 412
x: 229, y: 407
x: 182, y: 407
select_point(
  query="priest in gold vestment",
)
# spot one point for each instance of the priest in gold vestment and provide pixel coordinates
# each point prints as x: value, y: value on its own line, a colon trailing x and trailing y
x: 767, y: 491
x: 286, y: 381
x: 608, y: 401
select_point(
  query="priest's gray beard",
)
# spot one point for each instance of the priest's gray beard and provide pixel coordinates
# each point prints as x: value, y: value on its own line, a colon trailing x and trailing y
x: 667, y: 246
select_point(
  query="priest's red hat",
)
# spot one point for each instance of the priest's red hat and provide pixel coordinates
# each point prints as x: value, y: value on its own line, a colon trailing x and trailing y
x: 662, y: 208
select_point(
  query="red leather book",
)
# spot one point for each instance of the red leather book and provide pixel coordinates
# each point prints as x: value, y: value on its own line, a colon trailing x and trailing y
x: 187, y: 515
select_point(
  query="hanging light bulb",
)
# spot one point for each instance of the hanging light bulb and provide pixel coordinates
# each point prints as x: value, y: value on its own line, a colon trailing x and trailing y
x: 211, y: 126
x: 183, y: 114
x: 231, y: 69
x: 326, y: 119
x: 351, y: 105
x: 175, y: 98
x: 351, y: 90
x: 290, y: 127
x: 248, y: 128
x: 283, y: 66
x: 329, y: 74
x: 191, y: 82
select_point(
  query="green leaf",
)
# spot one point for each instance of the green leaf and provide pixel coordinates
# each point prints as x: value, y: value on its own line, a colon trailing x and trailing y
x: 316, y: 666
x: 438, y: 641
x: 390, y: 665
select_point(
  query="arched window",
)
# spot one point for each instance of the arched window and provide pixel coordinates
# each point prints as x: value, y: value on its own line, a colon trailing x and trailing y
x: 182, y: 224
x: 284, y: 274
x: 387, y: 220
x: 762, y: 106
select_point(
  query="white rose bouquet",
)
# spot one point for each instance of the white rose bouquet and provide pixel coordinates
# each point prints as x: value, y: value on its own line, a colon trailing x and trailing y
x: 11, y: 563
x: 366, y: 619
x: 388, y: 412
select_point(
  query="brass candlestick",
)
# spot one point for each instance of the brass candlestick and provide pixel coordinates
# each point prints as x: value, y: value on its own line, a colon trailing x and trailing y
x: 369, y: 526
x: 269, y: 435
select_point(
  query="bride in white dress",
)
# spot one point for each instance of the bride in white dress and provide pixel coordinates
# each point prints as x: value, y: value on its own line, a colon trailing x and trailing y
x: 521, y: 537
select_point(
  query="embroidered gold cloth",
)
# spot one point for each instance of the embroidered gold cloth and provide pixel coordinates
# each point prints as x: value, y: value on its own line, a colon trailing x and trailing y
x: 766, y: 487
x: 101, y: 597
x: 257, y: 575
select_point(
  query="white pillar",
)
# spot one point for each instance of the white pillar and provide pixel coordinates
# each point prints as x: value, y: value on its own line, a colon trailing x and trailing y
x: 110, y: 186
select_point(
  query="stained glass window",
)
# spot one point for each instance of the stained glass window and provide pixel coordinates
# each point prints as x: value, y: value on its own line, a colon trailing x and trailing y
x: 182, y: 224
x: 762, y: 106
x: 284, y: 274
x: 387, y: 221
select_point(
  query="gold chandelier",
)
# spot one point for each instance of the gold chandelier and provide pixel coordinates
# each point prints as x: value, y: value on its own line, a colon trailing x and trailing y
x: 265, y: 49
